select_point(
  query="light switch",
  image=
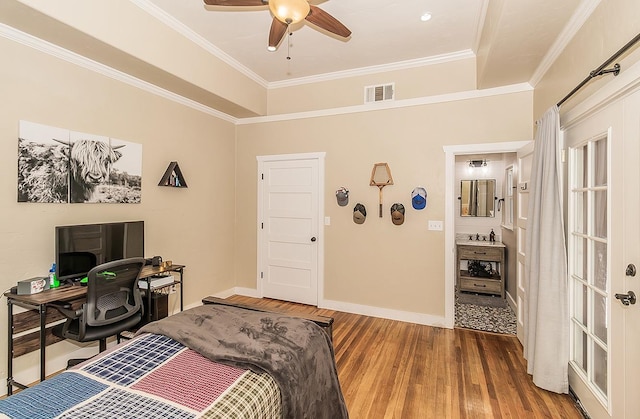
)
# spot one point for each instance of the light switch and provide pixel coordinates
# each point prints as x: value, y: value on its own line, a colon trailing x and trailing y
x: 435, y: 225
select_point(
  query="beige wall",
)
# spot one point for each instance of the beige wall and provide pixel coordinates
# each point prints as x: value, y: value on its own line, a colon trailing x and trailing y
x: 377, y: 263
x: 612, y: 25
x: 211, y: 226
x: 192, y: 226
x: 124, y: 36
x: 428, y: 80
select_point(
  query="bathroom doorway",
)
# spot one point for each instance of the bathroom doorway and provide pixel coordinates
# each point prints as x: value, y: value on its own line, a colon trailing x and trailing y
x: 484, y: 236
x: 482, y: 199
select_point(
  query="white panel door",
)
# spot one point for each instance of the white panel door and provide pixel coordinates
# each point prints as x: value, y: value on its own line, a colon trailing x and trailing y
x: 603, y: 239
x: 289, y: 230
x: 525, y: 156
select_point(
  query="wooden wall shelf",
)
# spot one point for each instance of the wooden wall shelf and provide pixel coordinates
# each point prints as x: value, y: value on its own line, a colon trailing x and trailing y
x: 173, y: 177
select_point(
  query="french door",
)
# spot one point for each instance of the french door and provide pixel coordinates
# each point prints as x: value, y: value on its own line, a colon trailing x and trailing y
x: 603, y: 232
x: 588, y: 263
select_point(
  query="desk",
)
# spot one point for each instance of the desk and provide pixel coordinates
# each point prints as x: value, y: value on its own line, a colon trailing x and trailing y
x: 149, y: 271
x: 41, y: 313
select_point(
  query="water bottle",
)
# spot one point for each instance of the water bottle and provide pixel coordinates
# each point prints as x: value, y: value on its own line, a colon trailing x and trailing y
x: 53, y: 279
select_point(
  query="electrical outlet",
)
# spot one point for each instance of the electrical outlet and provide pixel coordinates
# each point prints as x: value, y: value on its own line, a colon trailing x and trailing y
x: 435, y: 225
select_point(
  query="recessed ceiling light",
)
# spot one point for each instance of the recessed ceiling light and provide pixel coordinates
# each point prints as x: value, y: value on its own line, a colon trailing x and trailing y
x: 425, y: 17
x: 270, y: 48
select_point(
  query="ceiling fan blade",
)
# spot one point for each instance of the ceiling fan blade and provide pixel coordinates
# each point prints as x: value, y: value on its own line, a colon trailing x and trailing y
x: 235, y: 2
x: 277, y: 31
x: 324, y: 20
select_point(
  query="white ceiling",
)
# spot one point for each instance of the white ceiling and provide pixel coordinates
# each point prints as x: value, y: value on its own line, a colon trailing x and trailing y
x: 510, y: 37
x: 513, y: 41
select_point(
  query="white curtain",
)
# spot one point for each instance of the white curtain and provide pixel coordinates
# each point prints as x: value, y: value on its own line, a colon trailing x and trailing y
x: 546, y: 323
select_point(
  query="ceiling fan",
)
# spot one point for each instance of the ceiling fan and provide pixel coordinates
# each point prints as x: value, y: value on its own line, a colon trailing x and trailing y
x: 288, y: 12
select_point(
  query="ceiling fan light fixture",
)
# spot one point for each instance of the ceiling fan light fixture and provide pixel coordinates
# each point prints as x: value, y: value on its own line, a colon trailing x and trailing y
x: 425, y: 17
x: 289, y: 11
x: 271, y: 48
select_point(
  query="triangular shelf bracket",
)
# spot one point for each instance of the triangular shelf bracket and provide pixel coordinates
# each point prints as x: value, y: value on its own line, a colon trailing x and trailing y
x: 173, y: 176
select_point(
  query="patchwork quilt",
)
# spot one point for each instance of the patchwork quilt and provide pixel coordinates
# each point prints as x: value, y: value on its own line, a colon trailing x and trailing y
x: 150, y: 376
x: 297, y: 353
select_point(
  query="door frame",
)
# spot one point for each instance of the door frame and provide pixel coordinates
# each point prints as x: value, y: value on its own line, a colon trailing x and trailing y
x: 320, y: 157
x: 451, y: 202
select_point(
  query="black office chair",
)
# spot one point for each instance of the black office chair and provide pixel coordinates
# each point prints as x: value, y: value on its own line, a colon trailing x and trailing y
x: 113, y: 305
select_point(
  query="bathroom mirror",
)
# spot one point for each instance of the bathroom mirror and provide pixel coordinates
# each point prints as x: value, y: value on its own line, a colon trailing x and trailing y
x: 477, y: 198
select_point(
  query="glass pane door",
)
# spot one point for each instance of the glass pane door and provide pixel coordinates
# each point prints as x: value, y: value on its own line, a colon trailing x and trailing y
x: 588, y: 267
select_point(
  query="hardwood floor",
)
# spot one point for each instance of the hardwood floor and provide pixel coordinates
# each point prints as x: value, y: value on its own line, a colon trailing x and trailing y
x: 392, y: 369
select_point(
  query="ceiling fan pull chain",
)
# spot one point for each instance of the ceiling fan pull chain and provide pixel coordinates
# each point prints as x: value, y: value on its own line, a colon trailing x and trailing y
x: 289, y: 44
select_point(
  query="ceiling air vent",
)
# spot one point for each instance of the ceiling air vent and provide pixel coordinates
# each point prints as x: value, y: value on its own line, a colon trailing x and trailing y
x: 378, y: 93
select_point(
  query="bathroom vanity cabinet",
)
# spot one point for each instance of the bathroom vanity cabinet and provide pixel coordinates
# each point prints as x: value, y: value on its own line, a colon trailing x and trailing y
x: 480, y: 267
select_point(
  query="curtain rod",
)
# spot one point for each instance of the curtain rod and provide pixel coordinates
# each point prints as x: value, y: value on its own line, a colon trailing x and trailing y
x: 601, y: 70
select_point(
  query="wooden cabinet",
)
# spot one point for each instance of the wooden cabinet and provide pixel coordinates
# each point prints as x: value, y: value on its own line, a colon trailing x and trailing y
x: 480, y: 268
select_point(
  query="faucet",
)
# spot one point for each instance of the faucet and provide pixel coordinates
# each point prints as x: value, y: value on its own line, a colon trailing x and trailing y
x: 477, y: 236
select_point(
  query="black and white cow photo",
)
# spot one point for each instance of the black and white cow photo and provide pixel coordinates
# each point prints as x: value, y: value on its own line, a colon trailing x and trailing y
x: 43, y: 164
x: 57, y: 165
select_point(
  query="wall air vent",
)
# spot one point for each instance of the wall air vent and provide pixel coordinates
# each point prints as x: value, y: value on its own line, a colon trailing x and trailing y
x: 379, y: 93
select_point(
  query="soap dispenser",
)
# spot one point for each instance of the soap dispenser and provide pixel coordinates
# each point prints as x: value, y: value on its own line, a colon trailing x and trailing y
x: 492, y: 236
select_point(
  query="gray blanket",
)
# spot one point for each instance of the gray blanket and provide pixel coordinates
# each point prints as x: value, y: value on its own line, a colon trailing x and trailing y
x: 297, y: 353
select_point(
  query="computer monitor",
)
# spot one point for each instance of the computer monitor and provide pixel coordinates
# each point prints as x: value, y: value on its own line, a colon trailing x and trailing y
x: 81, y: 247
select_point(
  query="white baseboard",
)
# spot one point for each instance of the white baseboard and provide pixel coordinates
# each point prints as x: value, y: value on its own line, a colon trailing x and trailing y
x: 247, y: 292
x: 385, y: 313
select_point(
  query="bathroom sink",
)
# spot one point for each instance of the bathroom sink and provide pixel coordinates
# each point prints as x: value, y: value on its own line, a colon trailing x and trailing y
x: 468, y: 242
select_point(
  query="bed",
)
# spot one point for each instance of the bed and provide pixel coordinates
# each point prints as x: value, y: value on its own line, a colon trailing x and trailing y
x: 212, y: 361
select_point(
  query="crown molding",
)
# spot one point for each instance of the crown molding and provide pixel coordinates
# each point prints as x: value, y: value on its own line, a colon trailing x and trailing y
x: 188, y: 33
x: 480, y: 25
x: 185, y: 31
x: 395, y: 104
x: 400, y: 65
x: 84, y: 62
x: 38, y: 44
x: 578, y: 19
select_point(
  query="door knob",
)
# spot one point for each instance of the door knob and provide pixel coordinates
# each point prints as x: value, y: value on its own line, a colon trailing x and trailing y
x: 628, y: 298
x: 313, y: 239
x: 631, y: 270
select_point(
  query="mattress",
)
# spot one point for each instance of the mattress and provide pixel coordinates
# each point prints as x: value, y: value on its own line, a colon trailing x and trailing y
x: 150, y: 376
